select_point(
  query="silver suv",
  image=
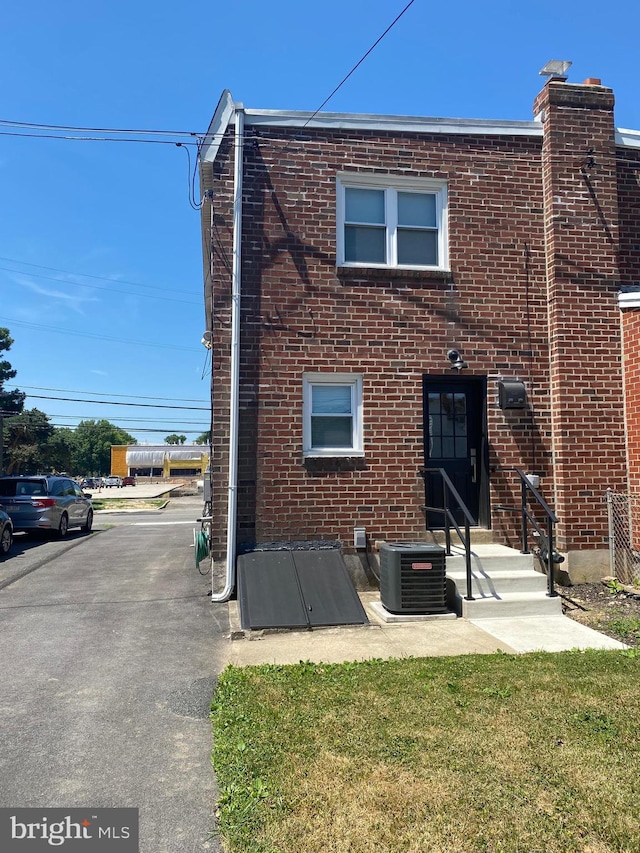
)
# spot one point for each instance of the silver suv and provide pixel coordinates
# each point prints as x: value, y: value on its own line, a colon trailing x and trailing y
x: 46, y: 503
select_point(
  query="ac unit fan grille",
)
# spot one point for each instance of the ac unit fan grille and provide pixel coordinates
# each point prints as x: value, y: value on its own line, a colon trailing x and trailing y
x: 421, y: 588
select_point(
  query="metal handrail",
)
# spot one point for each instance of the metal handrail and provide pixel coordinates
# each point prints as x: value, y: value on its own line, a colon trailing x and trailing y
x: 449, y: 489
x: 551, y: 556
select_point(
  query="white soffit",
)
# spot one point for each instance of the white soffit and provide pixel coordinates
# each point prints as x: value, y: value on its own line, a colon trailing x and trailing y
x: 223, y: 114
x: 407, y: 124
x: 629, y: 298
x: 226, y: 108
x: 628, y: 138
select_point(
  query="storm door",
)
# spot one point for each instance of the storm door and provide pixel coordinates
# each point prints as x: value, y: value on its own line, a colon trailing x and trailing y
x: 454, y: 440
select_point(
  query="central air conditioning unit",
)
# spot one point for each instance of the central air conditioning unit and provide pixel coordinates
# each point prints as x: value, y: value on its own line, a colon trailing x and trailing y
x: 413, y: 578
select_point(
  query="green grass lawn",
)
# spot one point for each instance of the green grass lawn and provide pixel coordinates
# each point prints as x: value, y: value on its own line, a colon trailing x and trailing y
x: 533, y: 753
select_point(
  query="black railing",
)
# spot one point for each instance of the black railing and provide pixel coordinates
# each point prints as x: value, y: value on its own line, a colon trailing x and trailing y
x: 547, y: 553
x: 449, y: 491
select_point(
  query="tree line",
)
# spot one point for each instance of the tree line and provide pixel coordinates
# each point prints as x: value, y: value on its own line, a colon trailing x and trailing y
x: 31, y: 444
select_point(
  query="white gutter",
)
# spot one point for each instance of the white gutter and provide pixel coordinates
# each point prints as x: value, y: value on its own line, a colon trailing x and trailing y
x: 234, y: 403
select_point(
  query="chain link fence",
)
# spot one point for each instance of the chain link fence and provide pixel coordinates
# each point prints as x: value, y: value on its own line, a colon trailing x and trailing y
x: 623, y: 512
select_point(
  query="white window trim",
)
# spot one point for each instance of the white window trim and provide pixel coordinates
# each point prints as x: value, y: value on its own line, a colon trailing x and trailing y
x: 393, y: 184
x: 355, y: 381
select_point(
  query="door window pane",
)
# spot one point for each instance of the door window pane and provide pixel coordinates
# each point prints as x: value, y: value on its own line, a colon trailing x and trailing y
x: 447, y: 424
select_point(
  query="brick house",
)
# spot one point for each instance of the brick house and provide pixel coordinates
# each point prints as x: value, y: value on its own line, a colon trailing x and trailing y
x: 391, y: 280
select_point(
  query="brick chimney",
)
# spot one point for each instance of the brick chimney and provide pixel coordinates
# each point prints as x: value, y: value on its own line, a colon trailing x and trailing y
x: 581, y: 235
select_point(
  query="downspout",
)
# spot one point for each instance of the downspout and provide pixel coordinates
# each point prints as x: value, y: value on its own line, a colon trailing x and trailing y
x: 234, y: 402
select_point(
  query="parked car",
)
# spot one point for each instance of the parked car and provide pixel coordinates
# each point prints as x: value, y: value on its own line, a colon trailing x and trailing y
x: 112, y: 481
x: 6, y: 533
x: 44, y: 502
x: 128, y: 481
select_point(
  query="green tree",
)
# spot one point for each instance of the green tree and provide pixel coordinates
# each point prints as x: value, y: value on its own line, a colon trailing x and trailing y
x: 11, y: 402
x: 203, y: 438
x: 60, y: 449
x: 26, y: 448
x: 92, y: 441
x: 175, y: 439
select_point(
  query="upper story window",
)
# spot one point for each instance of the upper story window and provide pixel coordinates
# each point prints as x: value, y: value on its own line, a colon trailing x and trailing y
x: 332, y: 414
x: 391, y: 222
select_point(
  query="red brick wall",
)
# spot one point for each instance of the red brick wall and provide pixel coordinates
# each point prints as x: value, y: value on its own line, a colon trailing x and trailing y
x: 300, y: 314
x: 581, y: 230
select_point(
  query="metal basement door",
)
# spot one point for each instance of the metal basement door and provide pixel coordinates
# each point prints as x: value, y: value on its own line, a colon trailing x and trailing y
x: 296, y: 589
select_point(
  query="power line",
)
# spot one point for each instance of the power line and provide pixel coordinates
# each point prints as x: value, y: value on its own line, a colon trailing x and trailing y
x: 97, y: 287
x: 121, y: 420
x: 107, y: 393
x: 138, y: 131
x: 58, y: 330
x: 36, y: 135
x: 118, y: 403
x: 360, y: 61
x: 10, y: 425
x: 90, y: 275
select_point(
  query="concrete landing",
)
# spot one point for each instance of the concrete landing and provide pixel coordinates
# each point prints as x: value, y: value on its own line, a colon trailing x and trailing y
x: 546, y: 634
x: 433, y: 638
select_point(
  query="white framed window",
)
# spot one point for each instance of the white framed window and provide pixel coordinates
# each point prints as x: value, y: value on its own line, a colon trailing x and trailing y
x: 384, y: 221
x: 332, y: 414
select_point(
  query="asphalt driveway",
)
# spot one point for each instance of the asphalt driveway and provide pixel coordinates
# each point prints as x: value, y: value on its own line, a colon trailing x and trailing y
x: 111, y: 649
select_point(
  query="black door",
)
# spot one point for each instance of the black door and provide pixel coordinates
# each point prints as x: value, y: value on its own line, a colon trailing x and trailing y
x: 454, y: 418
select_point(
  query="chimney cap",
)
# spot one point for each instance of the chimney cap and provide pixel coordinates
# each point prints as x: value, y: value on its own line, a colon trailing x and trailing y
x: 556, y: 68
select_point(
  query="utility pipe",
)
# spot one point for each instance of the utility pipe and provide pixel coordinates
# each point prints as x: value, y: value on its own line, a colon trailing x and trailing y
x: 234, y: 402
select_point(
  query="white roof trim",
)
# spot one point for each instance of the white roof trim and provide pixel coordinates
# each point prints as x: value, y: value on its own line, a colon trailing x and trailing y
x: 628, y: 138
x: 629, y: 299
x: 223, y: 114
x: 412, y: 124
x: 226, y: 109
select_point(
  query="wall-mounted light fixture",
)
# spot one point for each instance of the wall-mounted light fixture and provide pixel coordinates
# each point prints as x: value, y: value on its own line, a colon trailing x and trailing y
x: 457, y: 362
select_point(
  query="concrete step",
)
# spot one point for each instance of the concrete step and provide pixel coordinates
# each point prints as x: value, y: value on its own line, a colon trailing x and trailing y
x: 495, y: 582
x: 504, y: 583
x: 512, y: 604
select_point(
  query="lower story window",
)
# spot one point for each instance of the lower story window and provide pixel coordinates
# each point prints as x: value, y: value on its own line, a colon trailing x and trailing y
x: 332, y: 414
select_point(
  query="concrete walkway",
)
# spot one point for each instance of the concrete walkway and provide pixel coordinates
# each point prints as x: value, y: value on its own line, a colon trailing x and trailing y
x: 436, y: 636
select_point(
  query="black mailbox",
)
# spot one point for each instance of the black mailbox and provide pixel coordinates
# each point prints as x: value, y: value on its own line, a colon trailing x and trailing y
x: 512, y: 394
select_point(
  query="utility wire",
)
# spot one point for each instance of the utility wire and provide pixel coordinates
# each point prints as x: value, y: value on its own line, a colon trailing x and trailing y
x: 90, y: 275
x: 97, y: 287
x: 38, y: 125
x: 120, y: 420
x: 59, y: 330
x: 359, y: 63
x: 94, y: 138
x: 10, y: 425
x: 107, y: 393
x: 119, y: 403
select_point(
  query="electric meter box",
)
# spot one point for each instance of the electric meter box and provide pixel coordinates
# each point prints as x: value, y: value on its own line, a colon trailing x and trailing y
x: 512, y: 394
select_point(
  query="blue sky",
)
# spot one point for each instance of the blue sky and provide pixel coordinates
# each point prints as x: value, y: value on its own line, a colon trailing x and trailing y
x: 100, y: 254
